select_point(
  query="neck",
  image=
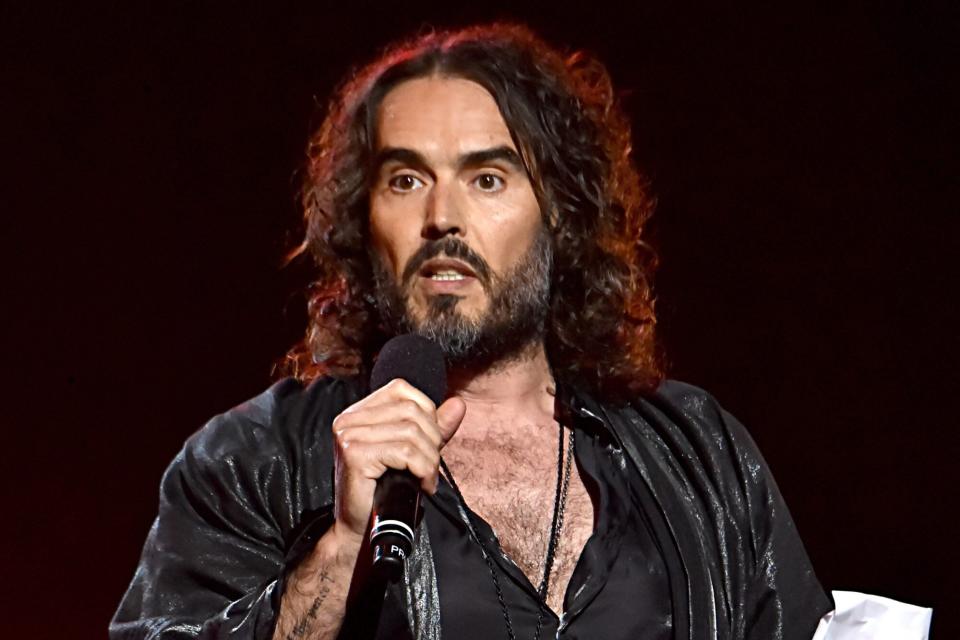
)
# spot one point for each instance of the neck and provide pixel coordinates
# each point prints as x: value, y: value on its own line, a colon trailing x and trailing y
x: 523, y: 385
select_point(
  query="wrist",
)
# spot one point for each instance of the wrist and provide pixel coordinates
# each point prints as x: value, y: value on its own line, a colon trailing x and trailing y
x: 344, y: 540
x: 335, y: 553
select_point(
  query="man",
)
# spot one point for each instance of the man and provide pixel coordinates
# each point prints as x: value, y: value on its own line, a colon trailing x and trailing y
x: 475, y: 187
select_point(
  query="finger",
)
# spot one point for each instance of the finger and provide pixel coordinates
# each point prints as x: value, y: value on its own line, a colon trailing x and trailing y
x: 371, y: 459
x: 396, y: 389
x: 401, y: 410
x: 449, y: 417
x: 379, y: 433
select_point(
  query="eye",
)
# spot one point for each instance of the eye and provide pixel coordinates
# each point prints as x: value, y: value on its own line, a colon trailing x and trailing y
x: 489, y: 182
x: 405, y: 182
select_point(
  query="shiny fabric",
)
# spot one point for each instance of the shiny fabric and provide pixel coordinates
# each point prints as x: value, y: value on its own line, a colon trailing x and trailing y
x: 252, y: 491
x: 618, y: 591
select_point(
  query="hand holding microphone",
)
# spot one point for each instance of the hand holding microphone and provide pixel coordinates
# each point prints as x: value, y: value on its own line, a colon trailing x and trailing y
x: 397, y: 427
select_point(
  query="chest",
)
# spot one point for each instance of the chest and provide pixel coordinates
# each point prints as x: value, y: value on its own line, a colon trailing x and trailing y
x: 513, y: 488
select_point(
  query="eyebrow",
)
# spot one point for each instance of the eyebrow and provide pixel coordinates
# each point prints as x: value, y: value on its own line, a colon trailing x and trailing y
x: 502, y: 153
x: 472, y: 159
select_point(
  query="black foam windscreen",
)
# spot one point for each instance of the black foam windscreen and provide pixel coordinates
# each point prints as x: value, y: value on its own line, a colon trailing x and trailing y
x: 417, y: 360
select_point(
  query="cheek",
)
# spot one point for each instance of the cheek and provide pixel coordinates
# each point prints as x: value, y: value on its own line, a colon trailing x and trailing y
x: 382, y: 236
x: 512, y: 230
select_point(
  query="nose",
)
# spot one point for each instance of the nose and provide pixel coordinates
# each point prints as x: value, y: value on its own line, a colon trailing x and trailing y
x: 444, y: 212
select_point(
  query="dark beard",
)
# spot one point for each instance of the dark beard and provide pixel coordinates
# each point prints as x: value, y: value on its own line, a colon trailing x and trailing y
x: 515, y: 318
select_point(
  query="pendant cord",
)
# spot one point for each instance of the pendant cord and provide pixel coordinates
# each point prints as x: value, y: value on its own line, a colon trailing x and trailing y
x: 559, y: 504
x: 556, y: 526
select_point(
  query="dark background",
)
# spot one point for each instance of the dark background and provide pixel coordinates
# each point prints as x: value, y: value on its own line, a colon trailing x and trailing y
x: 806, y: 222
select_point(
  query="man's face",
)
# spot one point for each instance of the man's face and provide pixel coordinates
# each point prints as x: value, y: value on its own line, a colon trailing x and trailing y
x: 460, y: 248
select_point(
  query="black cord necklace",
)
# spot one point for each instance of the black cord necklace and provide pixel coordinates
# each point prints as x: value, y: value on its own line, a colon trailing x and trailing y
x: 559, y: 504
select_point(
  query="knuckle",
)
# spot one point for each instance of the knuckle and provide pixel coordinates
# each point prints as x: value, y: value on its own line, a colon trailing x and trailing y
x: 409, y: 428
x: 398, y: 385
x: 339, y: 422
x: 347, y: 452
x: 411, y: 408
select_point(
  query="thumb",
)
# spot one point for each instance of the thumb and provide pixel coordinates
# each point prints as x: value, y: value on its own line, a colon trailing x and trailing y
x: 450, y: 415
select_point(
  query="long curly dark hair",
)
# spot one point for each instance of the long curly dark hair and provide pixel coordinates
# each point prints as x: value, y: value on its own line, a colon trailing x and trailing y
x: 574, y: 140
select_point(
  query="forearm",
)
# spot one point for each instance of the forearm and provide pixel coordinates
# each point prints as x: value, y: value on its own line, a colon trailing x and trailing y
x: 314, y: 600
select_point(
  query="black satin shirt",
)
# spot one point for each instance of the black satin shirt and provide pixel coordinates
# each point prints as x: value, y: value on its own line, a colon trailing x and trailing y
x: 251, y: 492
x: 619, y: 588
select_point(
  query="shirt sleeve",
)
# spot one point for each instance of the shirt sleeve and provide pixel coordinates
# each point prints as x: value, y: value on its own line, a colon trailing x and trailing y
x: 227, y: 532
x: 783, y: 598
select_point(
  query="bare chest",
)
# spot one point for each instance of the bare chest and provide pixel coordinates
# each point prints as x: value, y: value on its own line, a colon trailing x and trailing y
x: 513, y: 488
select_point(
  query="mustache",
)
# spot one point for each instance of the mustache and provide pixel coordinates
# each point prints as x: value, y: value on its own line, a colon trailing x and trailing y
x: 452, y: 248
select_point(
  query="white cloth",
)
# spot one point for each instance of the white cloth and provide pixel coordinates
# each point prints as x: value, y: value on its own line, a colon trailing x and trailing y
x: 861, y: 616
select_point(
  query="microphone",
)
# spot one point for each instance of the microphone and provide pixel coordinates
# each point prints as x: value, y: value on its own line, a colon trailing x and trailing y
x: 396, y: 501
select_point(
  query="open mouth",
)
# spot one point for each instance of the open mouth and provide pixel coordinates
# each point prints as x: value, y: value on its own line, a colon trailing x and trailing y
x: 446, y: 270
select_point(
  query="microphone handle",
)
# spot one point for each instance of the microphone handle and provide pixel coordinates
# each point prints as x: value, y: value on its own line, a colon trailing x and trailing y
x: 396, y: 511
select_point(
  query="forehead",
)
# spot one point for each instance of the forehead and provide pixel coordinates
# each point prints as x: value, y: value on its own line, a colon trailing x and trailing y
x: 442, y: 116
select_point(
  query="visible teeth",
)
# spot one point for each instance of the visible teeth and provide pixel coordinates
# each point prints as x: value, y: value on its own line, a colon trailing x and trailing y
x: 447, y: 275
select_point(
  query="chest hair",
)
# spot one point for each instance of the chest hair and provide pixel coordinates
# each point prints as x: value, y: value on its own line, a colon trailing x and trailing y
x: 512, y: 485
